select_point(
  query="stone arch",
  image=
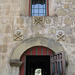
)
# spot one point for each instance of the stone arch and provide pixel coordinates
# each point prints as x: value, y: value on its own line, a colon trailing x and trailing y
x: 36, y: 41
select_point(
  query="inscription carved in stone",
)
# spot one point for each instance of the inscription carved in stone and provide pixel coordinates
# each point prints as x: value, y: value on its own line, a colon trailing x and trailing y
x: 18, y: 35
x: 60, y: 35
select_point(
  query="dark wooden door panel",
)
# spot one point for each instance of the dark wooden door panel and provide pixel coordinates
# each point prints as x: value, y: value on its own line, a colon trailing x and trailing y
x: 57, y: 63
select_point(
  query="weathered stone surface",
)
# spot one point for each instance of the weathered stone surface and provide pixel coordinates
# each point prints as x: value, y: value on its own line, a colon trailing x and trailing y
x: 13, y: 14
x: 20, y: 20
x: 66, y: 6
x: 8, y: 29
x: 57, y: 1
x: 6, y: 39
x: 73, y: 1
x: 4, y: 48
x: 72, y: 38
x: 73, y: 6
x: 68, y: 21
x: 61, y: 12
x: 1, y: 48
x: 68, y: 0
x: 7, y: 12
x: 72, y: 13
x: 53, y: 30
x: 57, y: 20
x: 67, y: 30
x: 47, y: 20
x: 74, y: 20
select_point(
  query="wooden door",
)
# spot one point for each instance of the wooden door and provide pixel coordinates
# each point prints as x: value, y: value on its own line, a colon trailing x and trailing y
x: 58, y: 64
x: 38, y: 50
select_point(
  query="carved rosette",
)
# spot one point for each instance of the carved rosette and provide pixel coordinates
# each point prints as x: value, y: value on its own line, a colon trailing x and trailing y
x: 47, y: 20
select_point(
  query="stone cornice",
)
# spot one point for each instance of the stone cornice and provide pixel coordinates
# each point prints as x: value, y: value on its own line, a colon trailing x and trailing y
x: 16, y: 63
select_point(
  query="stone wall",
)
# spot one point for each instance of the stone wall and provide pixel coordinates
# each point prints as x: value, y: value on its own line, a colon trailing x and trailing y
x: 14, y: 29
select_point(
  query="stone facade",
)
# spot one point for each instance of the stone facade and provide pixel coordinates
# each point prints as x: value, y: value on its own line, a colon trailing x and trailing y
x: 16, y: 28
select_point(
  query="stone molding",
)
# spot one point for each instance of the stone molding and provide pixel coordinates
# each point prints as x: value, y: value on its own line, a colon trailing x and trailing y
x: 36, y: 41
x: 16, y: 63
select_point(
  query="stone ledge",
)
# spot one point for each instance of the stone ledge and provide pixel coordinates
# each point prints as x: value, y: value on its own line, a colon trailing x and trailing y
x: 16, y: 63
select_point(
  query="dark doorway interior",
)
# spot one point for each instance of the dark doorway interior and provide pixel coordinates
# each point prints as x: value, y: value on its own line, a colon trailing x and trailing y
x: 35, y: 62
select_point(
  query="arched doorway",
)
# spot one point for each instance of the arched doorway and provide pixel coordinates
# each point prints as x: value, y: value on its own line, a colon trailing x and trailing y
x: 41, y: 60
x: 57, y: 60
x: 36, y: 58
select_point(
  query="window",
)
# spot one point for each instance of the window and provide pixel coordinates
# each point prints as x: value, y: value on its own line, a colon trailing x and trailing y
x: 26, y: 7
x: 38, y: 8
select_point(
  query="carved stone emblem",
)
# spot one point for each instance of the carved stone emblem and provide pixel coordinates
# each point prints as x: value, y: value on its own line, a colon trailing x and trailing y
x: 38, y: 20
x: 60, y: 35
x: 48, y: 20
x: 18, y: 35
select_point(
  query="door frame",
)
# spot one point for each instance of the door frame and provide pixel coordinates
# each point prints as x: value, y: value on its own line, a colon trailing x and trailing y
x: 28, y: 43
x: 33, y: 64
x: 36, y: 41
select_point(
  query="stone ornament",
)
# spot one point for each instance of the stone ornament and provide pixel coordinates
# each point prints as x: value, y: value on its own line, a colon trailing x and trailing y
x: 60, y: 35
x: 18, y: 35
x: 16, y: 63
x: 38, y: 20
x: 47, y: 20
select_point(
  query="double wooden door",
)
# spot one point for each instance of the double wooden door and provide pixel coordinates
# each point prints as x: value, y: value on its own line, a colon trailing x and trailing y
x: 42, y: 61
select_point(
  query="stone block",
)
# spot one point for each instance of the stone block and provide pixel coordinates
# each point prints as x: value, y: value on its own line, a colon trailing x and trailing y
x: 72, y: 13
x: 0, y: 13
x: 67, y: 0
x: 0, y: 7
x: 6, y: 12
x: 73, y: 1
x: 1, y: 47
x: 67, y: 30
x: 53, y: 31
x: 68, y: 21
x: 1, y: 28
x: 6, y: 6
x: 57, y: 1
x: 8, y: 29
x: 57, y: 20
x: 66, y: 6
x: 68, y: 40
x: 74, y: 20
x: 20, y: 20
x: 4, y: 20
x: 73, y: 6
x: 6, y: 39
x: 61, y: 12
x: 72, y: 38
x: 4, y: 48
